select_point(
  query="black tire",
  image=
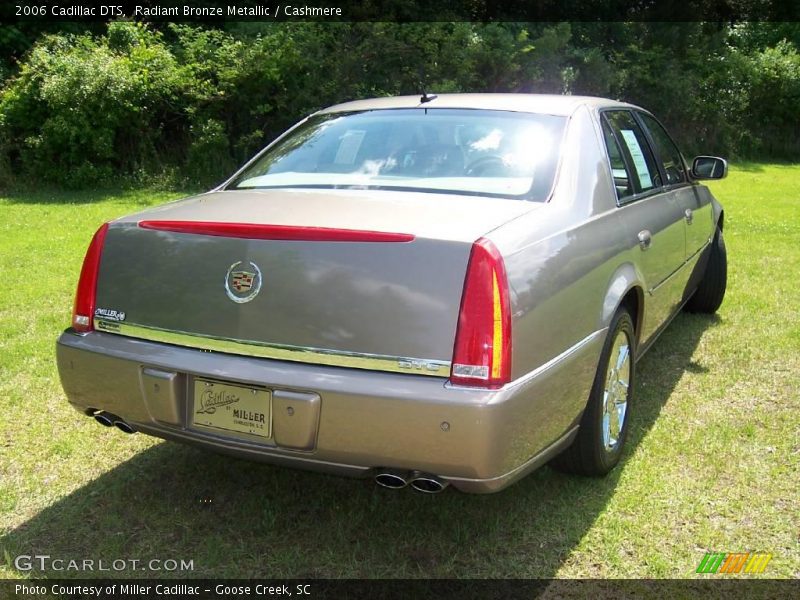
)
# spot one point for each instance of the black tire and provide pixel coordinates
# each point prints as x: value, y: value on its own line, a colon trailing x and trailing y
x: 708, y: 296
x: 591, y: 453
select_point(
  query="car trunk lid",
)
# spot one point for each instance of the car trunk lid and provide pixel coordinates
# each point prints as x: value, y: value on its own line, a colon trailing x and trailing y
x: 387, y: 290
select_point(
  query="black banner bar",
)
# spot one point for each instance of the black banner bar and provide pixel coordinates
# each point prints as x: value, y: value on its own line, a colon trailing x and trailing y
x: 377, y: 589
x: 401, y: 10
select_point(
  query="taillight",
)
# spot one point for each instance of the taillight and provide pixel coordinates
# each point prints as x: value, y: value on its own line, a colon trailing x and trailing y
x: 482, y: 353
x: 83, y: 311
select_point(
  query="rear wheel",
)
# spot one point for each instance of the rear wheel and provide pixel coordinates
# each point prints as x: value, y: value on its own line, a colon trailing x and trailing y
x: 709, y: 294
x: 604, y: 425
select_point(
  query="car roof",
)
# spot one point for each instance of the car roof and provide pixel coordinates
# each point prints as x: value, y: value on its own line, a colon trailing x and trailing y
x: 551, y: 104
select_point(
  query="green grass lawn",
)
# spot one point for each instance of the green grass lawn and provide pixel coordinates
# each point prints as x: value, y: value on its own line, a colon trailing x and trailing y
x: 712, y: 462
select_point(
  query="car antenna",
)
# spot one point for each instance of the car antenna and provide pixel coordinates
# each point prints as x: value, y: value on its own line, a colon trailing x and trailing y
x: 422, y: 79
x: 426, y: 97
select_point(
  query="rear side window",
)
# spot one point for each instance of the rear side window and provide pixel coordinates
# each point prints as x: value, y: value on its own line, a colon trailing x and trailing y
x: 619, y: 170
x: 666, y: 150
x: 635, y: 150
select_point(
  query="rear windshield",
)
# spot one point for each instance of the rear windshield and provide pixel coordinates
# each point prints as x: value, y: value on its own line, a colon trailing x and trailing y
x: 476, y: 152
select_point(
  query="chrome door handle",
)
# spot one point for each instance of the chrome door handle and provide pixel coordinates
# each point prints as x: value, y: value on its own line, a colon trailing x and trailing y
x: 688, y: 215
x: 645, y: 239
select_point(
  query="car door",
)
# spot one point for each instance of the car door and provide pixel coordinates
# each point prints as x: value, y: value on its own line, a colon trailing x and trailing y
x: 651, y: 214
x: 697, y: 209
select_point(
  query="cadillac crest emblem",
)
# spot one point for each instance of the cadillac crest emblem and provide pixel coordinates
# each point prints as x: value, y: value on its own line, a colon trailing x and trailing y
x: 243, y: 281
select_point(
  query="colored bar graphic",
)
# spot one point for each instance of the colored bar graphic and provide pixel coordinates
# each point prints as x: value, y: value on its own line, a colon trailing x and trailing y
x: 711, y: 562
x: 733, y: 562
x: 758, y: 563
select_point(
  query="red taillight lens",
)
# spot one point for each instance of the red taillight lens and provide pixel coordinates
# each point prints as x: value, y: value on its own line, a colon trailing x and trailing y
x: 482, y: 354
x: 83, y: 311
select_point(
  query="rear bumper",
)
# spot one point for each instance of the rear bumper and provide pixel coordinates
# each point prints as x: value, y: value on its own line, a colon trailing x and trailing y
x: 353, y: 421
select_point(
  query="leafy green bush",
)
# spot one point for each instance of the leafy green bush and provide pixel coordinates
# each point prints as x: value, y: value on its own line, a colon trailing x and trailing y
x: 83, y: 110
x: 775, y: 101
x: 188, y: 102
x: 209, y: 155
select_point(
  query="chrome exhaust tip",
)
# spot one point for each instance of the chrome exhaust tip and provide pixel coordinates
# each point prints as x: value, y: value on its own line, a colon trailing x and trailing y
x: 123, y: 426
x: 105, y: 419
x: 428, y: 484
x: 394, y: 480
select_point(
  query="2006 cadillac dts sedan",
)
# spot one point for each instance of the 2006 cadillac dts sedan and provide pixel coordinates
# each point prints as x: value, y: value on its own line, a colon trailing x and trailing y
x: 428, y: 291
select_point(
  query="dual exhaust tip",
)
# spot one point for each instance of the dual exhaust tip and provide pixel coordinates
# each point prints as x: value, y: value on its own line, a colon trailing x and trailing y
x: 107, y: 419
x: 422, y: 482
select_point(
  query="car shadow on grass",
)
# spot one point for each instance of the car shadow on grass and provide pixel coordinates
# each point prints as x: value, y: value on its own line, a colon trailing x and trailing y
x: 234, y: 518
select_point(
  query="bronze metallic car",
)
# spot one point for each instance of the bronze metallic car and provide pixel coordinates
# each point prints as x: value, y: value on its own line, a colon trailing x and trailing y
x: 429, y: 291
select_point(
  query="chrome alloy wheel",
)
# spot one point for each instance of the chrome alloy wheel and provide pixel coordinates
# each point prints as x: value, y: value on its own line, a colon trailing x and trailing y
x: 615, y: 390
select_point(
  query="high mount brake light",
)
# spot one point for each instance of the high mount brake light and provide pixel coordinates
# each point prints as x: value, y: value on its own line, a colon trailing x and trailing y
x: 258, y: 231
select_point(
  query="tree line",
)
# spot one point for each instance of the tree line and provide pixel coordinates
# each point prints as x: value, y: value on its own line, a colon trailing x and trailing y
x: 185, y: 104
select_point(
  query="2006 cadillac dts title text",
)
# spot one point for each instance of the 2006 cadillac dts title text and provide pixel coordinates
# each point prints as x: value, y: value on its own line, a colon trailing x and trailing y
x: 186, y: 11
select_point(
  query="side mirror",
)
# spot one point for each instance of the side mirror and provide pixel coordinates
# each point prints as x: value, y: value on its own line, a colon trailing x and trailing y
x: 709, y: 167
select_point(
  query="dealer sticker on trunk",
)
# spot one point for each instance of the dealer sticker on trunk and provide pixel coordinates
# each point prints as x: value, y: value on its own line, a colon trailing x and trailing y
x: 232, y: 408
x: 109, y: 314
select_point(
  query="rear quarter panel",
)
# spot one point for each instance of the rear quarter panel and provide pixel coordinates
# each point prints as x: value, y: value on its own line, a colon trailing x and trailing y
x: 569, y: 265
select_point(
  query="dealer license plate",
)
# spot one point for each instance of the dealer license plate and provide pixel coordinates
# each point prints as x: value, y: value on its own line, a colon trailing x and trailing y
x: 233, y: 408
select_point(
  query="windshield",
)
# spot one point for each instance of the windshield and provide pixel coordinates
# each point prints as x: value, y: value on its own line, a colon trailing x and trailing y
x: 459, y: 151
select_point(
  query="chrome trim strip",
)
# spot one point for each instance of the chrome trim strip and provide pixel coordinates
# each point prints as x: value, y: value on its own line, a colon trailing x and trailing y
x: 556, y: 359
x: 317, y: 356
